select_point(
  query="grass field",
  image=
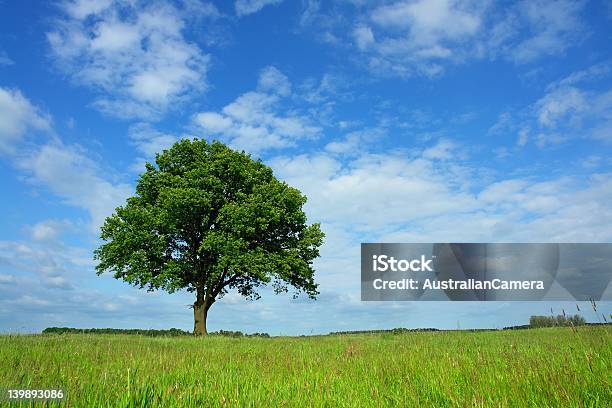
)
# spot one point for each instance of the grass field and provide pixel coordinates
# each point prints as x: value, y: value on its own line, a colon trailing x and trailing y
x: 537, y: 368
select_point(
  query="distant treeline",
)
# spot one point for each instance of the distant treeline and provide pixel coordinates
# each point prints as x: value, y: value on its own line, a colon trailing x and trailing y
x: 141, y: 332
x: 146, y: 332
x: 229, y: 333
x: 534, y: 322
x: 560, y: 320
x: 400, y: 330
x: 397, y: 330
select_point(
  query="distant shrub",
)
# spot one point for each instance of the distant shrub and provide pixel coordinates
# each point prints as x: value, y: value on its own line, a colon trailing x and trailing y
x: 228, y: 333
x: 559, y: 320
x: 258, y: 335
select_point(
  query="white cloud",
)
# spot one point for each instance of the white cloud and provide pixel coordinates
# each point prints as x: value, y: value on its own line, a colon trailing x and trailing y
x: 554, y: 27
x: 67, y: 172
x: 375, y: 191
x: 214, y: 122
x: 257, y: 120
x: 84, y: 8
x: 589, y: 74
x: 44, y: 231
x: 442, y: 150
x: 30, y: 301
x: 591, y: 162
x: 364, y: 37
x: 57, y: 282
x: 571, y: 108
x: 429, y: 22
x: 4, y: 59
x: 7, y: 279
x: 355, y: 141
x: 504, y: 120
x: 245, y: 7
x: 404, y: 198
x: 273, y: 81
x: 408, y: 37
x: 17, y: 117
x: 49, y: 230
x: 560, y: 103
x: 71, y: 123
x: 134, y: 54
x: 323, y: 95
x: 202, y: 9
x: 45, y: 258
x: 150, y: 141
x: 423, y: 37
x: 543, y: 140
x: 576, y: 107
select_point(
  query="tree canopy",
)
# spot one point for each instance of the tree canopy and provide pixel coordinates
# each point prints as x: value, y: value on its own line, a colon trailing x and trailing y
x: 209, y: 219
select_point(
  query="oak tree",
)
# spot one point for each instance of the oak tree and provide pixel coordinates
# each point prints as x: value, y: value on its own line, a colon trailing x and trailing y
x: 209, y: 219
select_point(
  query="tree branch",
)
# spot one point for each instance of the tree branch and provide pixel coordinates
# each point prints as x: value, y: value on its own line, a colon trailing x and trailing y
x: 222, y: 284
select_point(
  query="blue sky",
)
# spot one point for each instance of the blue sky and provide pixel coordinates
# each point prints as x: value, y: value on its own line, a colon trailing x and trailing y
x: 402, y: 121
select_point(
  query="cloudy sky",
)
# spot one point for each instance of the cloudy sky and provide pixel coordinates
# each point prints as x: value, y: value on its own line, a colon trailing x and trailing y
x: 402, y: 121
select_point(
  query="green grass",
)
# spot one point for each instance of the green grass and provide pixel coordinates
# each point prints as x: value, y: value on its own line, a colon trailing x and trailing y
x: 536, y: 368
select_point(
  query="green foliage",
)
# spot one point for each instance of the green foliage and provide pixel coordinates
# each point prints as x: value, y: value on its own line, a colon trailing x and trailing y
x: 560, y: 320
x: 550, y: 367
x: 207, y: 219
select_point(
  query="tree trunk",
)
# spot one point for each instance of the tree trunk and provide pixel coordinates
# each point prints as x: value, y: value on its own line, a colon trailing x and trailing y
x: 200, y: 310
x: 199, y: 316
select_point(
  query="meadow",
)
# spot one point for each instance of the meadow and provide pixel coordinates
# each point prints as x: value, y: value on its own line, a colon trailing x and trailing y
x: 537, y: 367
